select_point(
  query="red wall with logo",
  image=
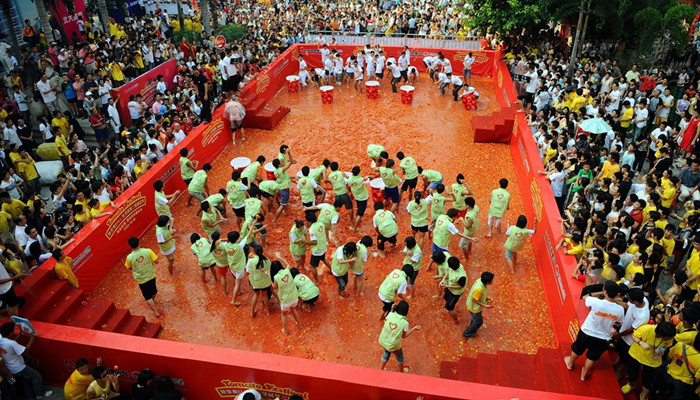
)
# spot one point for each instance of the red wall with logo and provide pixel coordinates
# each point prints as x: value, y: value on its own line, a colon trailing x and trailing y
x: 562, y: 291
x: 145, y: 85
x: 210, y: 373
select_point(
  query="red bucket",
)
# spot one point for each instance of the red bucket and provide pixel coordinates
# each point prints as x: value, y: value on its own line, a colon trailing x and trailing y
x: 327, y: 94
x: 407, y: 94
x: 377, y: 186
x: 293, y: 84
x: 372, y: 89
x: 469, y: 101
x: 240, y: 163
x: 270, y: 172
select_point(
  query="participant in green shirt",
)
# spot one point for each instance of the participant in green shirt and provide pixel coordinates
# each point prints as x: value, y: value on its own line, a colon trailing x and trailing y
x: 235, y: 255
x: 410, y: 173
x: 460, y: 191
x: 198, y: 187
x: 258, y: 268
x: 413, y: 256
x: 471, y: 226
x: 437, y: 202
x: 203, y: 250
x: 477, y: 300
x: 307, y: 187
x: 385, y: 224
x: 431, y: 178
x: 391, y: 183
x: 161, y: 200
x: 517, y: 237
x: 251, y: 171
x: 358, y: 188
x: 377, y: 153
x: 187, y: 168
x: 284, y: 182
x: 140, y: 262
x: 454, y: 282
x: 343, y: 259
x: 358, y: 267
x: 166, y: 241
x: 445, y: 229
x: 418, y: 208
x: 394, y: 331
x: 211, y: 219
x: 285, y: 156
x: 216, y: 200
x: 318, y: 174
x: 394, y: 285
x: 328, y: 215
x: 253, y: 204
x: 318, y: 242
x: 500, y: 202
x: 283, y: 284
x: 439, y: 258
x: 308, y: 291
x: 236, y: 196
x: 297, y: 243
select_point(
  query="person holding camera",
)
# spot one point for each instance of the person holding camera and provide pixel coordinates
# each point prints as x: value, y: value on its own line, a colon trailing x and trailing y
x: 105, y: 385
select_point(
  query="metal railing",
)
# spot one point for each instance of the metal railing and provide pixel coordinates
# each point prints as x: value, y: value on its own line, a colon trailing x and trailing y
x: 396, y: 39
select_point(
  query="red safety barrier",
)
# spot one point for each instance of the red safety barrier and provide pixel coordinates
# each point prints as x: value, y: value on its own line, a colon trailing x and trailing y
x: 103, y: 242
x: 561, y: 291
x: 210, y: 373
x: 145, y: 85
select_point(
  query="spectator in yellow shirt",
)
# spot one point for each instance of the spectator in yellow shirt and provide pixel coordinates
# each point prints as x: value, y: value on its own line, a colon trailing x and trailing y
x: 667, y: 190
x: 10, y: 206
x: 64, y: 268
x: 61, y: 122
x: 26, y: 167
x: 78, y: 382
x: 96, y: 208
x: 610, y: 167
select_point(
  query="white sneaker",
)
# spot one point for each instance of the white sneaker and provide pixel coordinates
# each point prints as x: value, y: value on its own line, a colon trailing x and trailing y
x: 46, y: 394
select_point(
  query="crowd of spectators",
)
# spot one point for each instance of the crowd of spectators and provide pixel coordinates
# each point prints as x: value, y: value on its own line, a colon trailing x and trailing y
x: 620, y: 147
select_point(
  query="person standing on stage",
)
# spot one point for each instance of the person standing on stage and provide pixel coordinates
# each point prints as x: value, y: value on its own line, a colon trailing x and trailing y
x: 141, y: 263
x: 500, y: 203
x: 303, y: 71
x: 235, y: 112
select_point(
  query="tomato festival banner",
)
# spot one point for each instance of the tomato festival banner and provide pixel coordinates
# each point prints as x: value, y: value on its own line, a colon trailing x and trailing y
x: 144, y: 85
x: 102, y: 243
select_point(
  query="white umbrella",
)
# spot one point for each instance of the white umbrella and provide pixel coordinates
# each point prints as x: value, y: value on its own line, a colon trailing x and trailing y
x: 595, y: 126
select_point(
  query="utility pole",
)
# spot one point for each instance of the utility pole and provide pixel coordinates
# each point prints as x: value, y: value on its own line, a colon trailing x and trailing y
x: 572, y: 63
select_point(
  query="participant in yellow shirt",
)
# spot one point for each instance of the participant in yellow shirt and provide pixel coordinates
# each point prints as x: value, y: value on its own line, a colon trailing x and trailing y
x: 636, y: 266
x: 668, y: 191
x: 188, y: 24
x: 685, y: 365
x: 11, y: 206
x: 175, y: 24
x: 112, y: 27
x: 646, y: 354
x: 116, y: 69
x: 140, y: 168
x: 610, y: 167
x: 80, y: 214
x: 120, y: 33
x: 578, y: 102
x: 96, y: 209
x: 626, y: 117
x: 197, y: 26
x: 14, y: 154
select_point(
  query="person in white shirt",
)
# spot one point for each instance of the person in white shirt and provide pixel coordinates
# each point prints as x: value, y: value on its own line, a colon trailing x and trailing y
x: 379, y: 65
x: 113, y: 115
x: 403, y: 65
x: 303, y: 71
x: 446, y: 64
x: 557, y: 178
x: 179, y: 133
x: 12, y: 354
x: 396, y: 75
x: 614, y: 97
x: 134, y: 108
x: 161, y: 87
x: 596, y: 330
x: 10, y: 133
x: 457, y: 84
x: 640, y: 119
x: 637, y: 315
x: 325, y: 52
x: 468, y: 62
x: 22, y: 102
x: 48, y: 93
x: 532, y: 80
x: 443, y: 80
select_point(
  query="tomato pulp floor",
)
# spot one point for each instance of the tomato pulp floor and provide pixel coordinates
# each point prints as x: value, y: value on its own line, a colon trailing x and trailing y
x: 437, y: 132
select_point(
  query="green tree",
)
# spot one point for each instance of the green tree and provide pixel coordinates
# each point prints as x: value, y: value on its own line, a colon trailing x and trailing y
x: 501, y: 16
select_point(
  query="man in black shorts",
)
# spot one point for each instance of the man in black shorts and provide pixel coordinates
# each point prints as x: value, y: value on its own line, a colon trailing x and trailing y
x: 8, y: 296
x: 454, y: 283
x: 140, y: 262
x: 410, y: 173
x: 594, y: 336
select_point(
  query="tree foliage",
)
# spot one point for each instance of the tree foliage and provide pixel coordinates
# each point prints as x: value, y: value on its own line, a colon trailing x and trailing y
x: 500, y: 16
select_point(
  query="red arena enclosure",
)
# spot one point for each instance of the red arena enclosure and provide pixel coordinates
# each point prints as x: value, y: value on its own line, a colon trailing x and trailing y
x: 207, y: 372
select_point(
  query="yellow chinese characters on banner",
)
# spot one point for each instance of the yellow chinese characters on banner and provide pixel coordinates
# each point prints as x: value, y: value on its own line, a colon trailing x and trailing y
x: 515, y: 125
x: 536, y: 199
x: 126, y: 215
x: 573, y: 329
x: 230, y: 389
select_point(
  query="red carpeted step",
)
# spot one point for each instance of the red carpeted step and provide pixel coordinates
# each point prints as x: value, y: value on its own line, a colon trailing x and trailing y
x: 550, y: 363
x: 61, y: 307
x: 601, y: 382
x: 37, y: 299
x: 497, y: 119
x: 266, y: 118
x: 36, y: 280
x: 489, y: 369
x: 149, y: 330
x: 91, y: 314
x: 518, y: 370
x: 448, y: 370
x: 467, y: 370
x: 131, y: 325
x: 255, y: 106
x: 113, y: 320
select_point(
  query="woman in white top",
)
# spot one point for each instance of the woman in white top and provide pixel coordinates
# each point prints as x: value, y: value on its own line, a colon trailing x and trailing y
x: 45, y: 130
